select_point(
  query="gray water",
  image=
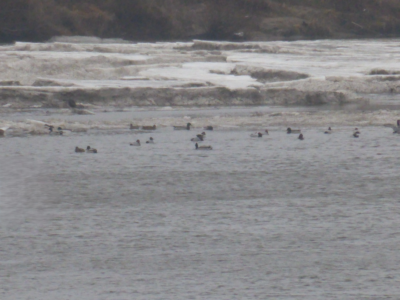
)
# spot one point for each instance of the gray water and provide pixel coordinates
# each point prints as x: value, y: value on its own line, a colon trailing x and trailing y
x: 274, y: 217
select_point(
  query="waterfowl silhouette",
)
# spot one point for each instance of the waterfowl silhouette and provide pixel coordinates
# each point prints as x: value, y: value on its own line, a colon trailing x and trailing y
x: 257, y: 135
x: 59, y: 130
x: 301, y: 137
x: 79, y: 150
x: 266, y: 131
x: 90, y: 150
x: 131, y: 127
x: 149, y: 127
x: 150, y: 141
x: 201, y: 135
x: 137, y: 143
x: 198, y: 138
x: 209, y: 128
x: 290, y: 130
x: 187, y: 127
x: 329, y: 131
x: 203, y: 147
x: 356, y: 134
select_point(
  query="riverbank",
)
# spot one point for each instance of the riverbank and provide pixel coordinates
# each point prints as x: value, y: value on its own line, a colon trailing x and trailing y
x: 173, y: 20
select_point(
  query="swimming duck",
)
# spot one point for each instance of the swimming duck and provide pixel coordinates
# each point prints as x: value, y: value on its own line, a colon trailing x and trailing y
x: 131, y: 127
x: 59, y: 130
x: 79, y: 150
x: 329, y: 131
x: 301, y: 137
x: 198, y: 138
x: 201, y: 135
x: 149, y: 127
x: 90, y: 150
x: 290, y: 130
x: 187, y: 127
x: 266, y: 131
x: 203, y: 147
x: 137, y: 143
x: 257, y: 135
x: 356, y: 134
x: 356, y: 131
x: 209, y: 128
x: 150, y: 141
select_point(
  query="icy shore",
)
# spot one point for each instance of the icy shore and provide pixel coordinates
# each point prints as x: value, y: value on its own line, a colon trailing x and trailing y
x: 200, y: 73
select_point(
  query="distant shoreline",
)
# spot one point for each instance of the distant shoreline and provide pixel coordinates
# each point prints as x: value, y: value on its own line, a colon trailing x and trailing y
x: 217, y: 20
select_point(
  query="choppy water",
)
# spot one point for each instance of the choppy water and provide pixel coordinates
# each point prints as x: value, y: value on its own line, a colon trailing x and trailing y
x: 253, y: 219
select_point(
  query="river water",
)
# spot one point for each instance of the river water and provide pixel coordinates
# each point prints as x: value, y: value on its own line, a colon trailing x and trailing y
x: 255, y: 218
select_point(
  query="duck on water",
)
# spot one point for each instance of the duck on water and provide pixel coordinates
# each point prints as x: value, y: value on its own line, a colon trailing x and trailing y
x: 79, y: 150
x: 199, y: 137
x: 187, y: 127
x: 256, y: 135
x: 90, y: 150
x: 137, y: 143
x: 59, y: 130
x: 149, y: 127
x: 290, y: 130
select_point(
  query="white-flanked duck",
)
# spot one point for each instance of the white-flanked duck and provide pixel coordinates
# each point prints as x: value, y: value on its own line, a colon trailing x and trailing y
x: 132, y: 127
x: 137, y: 143
x: 79, y: 150
x: 90, y: 150
x: 329, y: 131
x: 150, y: 141
x: 301, y: 137
x: 149, y: 127
x: 257, y: 135
x: 198, y: 138
x: 203, y: 147
x: 290, y: 130
x: 187, y: 127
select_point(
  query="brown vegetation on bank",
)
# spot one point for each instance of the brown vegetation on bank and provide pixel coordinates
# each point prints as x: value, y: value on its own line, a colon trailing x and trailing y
x: 147, y: 20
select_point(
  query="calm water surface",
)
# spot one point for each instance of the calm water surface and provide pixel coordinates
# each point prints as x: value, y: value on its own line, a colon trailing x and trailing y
x: 253, y: 219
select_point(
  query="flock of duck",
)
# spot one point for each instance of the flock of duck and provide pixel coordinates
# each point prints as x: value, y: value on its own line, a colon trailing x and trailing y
x: 201, y: 137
